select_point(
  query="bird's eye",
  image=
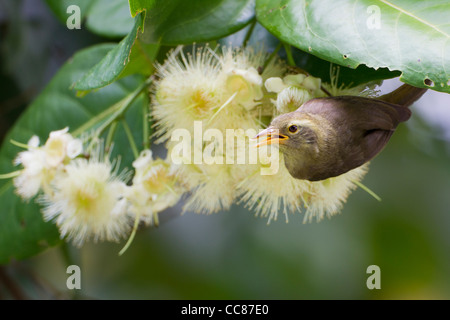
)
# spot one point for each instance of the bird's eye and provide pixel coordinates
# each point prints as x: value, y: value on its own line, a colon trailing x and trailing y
x: 293, y: 129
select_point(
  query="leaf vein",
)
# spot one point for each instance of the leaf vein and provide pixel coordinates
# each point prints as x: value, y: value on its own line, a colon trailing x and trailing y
x: 414, y: 17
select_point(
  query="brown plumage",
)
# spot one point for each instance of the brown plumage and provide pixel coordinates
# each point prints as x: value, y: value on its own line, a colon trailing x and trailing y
x: 327, y: 137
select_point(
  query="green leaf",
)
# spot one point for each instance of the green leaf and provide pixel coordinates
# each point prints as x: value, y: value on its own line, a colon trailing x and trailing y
x: 308, y: 62
x: 182, y: 22
x: 191, y: 22
x: 347, y: 76
x: 22, y: 231
x: 109, y: 18
x: 138, y: 6
x: 411, y: 36
x: 128, y: 57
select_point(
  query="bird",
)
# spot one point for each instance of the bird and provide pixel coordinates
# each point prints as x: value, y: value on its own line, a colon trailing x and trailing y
x: 327, y: 137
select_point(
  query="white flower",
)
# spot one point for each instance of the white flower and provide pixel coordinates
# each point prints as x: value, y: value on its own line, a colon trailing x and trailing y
x: 275, y: 84
x: 34, y: 174
x: 144, y: 159
x: 245, y: 76
x: 87, y: 202
x: 212, y: 187
x: 42, y: 163
x: 33, y: 142
x: 328, y: 196
x: 291, y: 98
x: 60, y: 145
x: 209, y: 183
x: 247, y: 84
x: 154, y: 188
x: 250, y: 57
x: 293, y: 90
x: 222, y: 91
x: 269, y: 195
x: 189, y: 89
x: 74, y: 148
x: 228, y: 90
x: 312, y: 84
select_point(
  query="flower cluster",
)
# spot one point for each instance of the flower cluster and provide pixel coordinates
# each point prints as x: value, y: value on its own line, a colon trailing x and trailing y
x: 293, y: 90
x: 206, y: 107
x: 83, y: 192
x: 239, y: 90
x: 154, y: 188
x: 219, y: 92
x: 41, y: 164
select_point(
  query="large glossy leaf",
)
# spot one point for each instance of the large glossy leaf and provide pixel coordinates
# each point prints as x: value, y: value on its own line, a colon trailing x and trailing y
x: 317, y: 67
x: 109, y: 18
x: 181, y: 22
x: 409, y: 36
x: 129, y: 56
x: 166, y: 22
x: 346, y: 76
x: 22, y: 230
x: 138, y: 6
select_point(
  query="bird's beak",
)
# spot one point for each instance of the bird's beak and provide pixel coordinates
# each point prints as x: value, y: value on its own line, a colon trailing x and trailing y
x: 269, y: 136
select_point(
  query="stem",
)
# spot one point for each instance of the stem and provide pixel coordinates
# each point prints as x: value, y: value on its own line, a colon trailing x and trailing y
x: 131, y: 238
x: 272, y: 55
x: 290, y: 58
x: 124, y: 105
x: 145, y: 130
x: 325, y: 91
x: 116, y: 111
x: 19, y: 144
x: 96, y: 119
x: 366, y: 189
x: 156, y: 219
x: 10, y: 175
x: 111, y: 133
x: 130, y: 138
x: 249, y: 33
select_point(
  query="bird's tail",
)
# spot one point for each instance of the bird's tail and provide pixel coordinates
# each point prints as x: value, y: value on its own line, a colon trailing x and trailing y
x: 405, y: 95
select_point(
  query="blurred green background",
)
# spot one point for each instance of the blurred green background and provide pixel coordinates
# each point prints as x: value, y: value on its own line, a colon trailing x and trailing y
x: 234, y: 255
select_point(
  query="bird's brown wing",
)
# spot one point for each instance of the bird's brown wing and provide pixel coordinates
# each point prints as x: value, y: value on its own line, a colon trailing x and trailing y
x: 358, y: 112
x: 366, y: 124
x: 375, y: 141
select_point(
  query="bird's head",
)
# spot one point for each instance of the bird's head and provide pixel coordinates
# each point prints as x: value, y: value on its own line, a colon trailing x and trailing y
x: 292, y: 131
x: 298, y: 140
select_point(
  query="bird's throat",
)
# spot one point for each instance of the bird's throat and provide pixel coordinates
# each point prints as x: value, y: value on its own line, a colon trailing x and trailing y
x: 296, y: 165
